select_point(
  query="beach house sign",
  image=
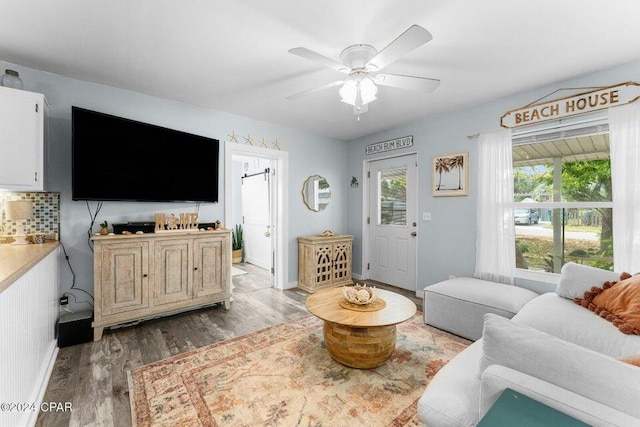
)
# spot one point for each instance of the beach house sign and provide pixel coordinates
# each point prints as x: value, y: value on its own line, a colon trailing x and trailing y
x: 586, y: 102
x: 392, y: 144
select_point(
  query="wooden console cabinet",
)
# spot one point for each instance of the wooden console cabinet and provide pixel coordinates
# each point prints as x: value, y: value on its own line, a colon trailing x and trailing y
x: 147, y: 275
x: 324, y: 262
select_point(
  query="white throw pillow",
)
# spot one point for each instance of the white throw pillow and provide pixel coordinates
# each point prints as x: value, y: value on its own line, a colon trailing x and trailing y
x: 593, y: 375
x: 575, y: 279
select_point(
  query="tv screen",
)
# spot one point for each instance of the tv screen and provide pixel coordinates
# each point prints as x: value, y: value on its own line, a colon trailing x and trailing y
x: 114, y: 158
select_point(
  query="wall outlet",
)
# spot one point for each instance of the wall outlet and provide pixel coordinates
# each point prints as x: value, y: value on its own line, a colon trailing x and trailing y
x: 64, y: 301
x: 426, y: 216
x: 451, y: 276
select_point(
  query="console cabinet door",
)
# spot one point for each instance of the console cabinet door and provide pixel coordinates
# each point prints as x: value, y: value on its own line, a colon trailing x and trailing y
x: 124, y: 277
x: 342, y: 262
x: 324, y: 264
x: 172, y: 273
x: 210, y: 266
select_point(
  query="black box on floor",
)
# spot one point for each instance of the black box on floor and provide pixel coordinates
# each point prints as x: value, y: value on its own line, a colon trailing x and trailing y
x: 75, y: 328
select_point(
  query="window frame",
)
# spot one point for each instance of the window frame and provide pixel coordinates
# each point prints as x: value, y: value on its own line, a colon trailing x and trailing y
x: 597, y: 124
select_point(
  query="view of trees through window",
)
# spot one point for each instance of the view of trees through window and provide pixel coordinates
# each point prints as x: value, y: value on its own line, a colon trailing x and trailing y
x: 565, y: 216
x: 393, y: 196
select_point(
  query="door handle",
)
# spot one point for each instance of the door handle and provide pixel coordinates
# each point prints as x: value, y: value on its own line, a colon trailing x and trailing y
x: 414, y: 234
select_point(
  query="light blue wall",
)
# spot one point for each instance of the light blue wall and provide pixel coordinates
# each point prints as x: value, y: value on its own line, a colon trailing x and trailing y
x: 308, y: 154
x: 446, y: 244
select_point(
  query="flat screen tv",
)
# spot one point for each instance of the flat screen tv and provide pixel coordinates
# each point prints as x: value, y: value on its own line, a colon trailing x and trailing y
x: 114, y: 158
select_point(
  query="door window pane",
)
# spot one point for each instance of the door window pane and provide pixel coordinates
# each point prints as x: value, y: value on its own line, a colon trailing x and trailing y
x: 392, y: 190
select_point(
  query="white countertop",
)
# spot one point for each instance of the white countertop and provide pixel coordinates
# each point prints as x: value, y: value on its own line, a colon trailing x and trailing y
x: 16, y: 260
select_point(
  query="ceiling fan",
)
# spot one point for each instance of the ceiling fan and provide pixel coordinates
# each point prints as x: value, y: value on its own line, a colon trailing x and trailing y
x: 363, y: 63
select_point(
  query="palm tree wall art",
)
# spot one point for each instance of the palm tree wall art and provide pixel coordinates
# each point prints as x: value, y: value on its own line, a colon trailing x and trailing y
x: 451, y: 174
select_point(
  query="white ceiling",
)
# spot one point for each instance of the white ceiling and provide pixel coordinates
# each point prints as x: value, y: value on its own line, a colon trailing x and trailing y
x: 232, y: 55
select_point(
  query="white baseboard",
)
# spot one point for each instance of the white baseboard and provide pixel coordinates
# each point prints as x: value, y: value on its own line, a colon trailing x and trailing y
x: 33, y: 417
x: 292, y: 285
x: 257, y: 262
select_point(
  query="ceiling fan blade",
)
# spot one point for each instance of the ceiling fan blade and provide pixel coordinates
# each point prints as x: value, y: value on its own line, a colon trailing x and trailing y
x: 422, y: 84
x: 411, y: 39
x: 315, y: 89
x: 320, y: 59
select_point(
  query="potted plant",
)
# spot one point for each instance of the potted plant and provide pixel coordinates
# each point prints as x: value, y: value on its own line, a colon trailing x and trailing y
x: 103, y: 228
x: 237, y: 242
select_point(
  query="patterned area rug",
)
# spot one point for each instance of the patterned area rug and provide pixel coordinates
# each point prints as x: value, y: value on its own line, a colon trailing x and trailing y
x: 284, y: 376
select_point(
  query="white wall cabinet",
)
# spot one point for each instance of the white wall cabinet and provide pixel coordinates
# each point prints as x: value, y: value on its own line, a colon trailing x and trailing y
x: 23, y: 130
x: 143, y: 276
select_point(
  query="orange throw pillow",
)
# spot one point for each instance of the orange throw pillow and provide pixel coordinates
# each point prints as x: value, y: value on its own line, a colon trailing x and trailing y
x: 617, y: 302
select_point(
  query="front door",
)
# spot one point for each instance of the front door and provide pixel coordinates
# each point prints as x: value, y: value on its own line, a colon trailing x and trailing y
x: 392, y: 221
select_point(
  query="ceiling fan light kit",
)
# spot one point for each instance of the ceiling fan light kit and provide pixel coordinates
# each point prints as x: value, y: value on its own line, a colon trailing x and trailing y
x: 358, y: 91
x: 362, y: 63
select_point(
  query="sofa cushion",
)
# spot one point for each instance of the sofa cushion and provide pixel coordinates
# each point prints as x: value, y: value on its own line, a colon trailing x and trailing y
x: 590, y: 374
x: 451, y: 398
x: 618, y: 303
x: 565, y: 319
x: 458, y: 305
x: 575, y: 279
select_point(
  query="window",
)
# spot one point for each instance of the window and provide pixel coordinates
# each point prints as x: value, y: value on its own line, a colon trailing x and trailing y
x: 393, y: 196
x: 562, y: 194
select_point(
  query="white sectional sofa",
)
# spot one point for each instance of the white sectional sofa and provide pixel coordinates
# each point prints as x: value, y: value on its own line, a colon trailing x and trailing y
x: 459, y: 305
x: 554, y: 351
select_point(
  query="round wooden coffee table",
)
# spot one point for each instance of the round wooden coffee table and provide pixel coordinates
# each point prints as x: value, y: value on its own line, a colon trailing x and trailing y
x: 360, y: 339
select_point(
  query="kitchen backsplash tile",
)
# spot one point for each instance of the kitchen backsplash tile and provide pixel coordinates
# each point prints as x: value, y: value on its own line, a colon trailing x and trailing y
x: 46, y: 212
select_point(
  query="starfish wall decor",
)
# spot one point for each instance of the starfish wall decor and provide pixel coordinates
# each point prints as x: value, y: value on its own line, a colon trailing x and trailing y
x: 249, y: 140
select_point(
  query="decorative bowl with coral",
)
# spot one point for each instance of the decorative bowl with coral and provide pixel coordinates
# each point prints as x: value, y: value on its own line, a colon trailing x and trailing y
x: 359, y: 294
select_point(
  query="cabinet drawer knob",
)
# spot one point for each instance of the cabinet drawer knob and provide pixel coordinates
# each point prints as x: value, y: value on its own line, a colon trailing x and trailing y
x: 145, y: 275
x: 195, y: 268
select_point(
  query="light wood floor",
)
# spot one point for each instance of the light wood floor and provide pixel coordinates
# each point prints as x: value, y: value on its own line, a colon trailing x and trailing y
x: 93, y: 376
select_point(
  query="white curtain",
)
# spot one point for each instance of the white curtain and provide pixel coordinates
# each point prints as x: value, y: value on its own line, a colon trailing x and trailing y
x: 495, y: 239
x: 624, y: 136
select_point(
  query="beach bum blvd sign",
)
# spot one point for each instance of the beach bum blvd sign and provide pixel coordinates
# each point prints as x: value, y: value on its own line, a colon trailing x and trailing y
x: 623, y: 93
x: 392, y: 144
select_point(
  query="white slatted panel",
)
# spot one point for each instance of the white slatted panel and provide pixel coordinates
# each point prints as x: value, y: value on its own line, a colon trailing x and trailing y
x: 28, y: 313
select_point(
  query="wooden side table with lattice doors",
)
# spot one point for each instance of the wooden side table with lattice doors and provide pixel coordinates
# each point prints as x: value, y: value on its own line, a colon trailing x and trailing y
x: 324, y: 262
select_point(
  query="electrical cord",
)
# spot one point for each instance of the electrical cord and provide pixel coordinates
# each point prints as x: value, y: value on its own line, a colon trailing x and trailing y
x: 93, y: 216
x: 73, y: 280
